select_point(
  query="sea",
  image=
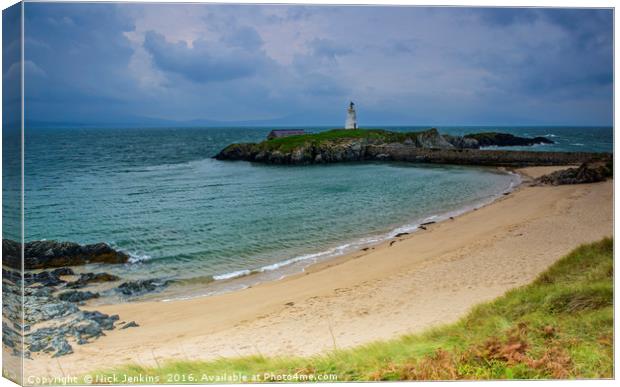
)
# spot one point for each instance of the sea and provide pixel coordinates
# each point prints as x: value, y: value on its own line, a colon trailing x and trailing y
x: 213, y: 226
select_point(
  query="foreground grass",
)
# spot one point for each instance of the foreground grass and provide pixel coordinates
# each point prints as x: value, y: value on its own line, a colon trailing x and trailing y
x: 560, y: 326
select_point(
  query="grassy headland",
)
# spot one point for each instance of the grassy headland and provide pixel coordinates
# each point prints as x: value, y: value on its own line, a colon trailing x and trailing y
x: 559, y: 326
x: 286, y: 144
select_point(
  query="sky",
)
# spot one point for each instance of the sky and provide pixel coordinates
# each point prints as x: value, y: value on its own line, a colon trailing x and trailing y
x: 301, y: 65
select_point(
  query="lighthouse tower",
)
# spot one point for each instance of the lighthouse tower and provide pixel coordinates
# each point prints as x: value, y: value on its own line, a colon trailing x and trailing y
x: 351, y: 122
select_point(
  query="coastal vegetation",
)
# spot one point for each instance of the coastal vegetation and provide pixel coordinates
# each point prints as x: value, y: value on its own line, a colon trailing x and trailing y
x: 292, y: 142
x: 425, y: 138
x: 559, y: 326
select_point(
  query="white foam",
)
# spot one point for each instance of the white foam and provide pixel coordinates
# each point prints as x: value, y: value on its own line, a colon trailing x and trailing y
x: 231, y: 275
x: 135, y: 258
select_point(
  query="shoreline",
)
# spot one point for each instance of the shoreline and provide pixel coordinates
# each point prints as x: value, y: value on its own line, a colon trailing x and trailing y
x: 402, y: 285
x: 243, y: 279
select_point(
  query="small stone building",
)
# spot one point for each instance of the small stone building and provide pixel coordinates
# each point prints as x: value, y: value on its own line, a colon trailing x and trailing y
x: 284, y: 133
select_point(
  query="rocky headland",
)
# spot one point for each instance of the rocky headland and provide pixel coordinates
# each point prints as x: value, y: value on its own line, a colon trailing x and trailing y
x: 426, y: 147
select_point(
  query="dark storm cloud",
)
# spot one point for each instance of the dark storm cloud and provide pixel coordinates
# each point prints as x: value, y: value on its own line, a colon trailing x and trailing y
x: 76, y: 60
x: 11, y: 77
x: 205, y: 62
x: 507, y: 16
x: 404, y: 65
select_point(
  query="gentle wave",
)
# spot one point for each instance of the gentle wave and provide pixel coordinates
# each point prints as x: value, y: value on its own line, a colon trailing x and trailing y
x: 134, y: 257
x: 371, y: 240
x: 231, y: 275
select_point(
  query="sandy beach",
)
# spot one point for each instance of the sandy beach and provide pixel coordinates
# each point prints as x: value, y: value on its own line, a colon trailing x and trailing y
x: 406, y: 285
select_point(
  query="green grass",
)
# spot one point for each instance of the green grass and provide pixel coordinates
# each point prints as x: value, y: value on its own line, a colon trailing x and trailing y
x: 560, y: 326
x: 286, y: 144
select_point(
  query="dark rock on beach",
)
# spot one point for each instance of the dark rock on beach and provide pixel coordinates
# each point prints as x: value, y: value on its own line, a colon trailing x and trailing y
x: 11, y: 275
x: 49, y: 254
x: 50, y: 322
x: 591, y: 172
x: 86, y: 329
x: 10, y: 337
x: 77, y: 296
x: 86, y: 279
x: 60, y: 346
x: 40, y: 307
x: 63, y: 271
x: 49, y: 340
x: 48, y: 278
x: 136, y: 288
x: 131, y: 324
x: 105, y: 321
x: 81, y: 326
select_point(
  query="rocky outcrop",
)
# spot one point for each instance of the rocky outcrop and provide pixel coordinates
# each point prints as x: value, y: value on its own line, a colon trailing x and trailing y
x: 48, y: 254
x: 504, y: 139
x: 43, y: 307
x: 426, y: 147
x: 82, y: 327
x: 432, y: 139
x: 590, y: 172
x: 462, y: 142
x: 49, y: 321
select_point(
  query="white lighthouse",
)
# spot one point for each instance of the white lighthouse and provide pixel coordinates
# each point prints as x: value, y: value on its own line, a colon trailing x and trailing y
x: 351, y: 122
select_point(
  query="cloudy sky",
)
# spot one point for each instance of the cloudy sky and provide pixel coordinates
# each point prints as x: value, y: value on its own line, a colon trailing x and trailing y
x: 296, y: 65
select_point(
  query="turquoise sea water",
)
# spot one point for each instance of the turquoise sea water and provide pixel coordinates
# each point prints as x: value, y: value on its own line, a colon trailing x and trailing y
x: 158, y: 194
